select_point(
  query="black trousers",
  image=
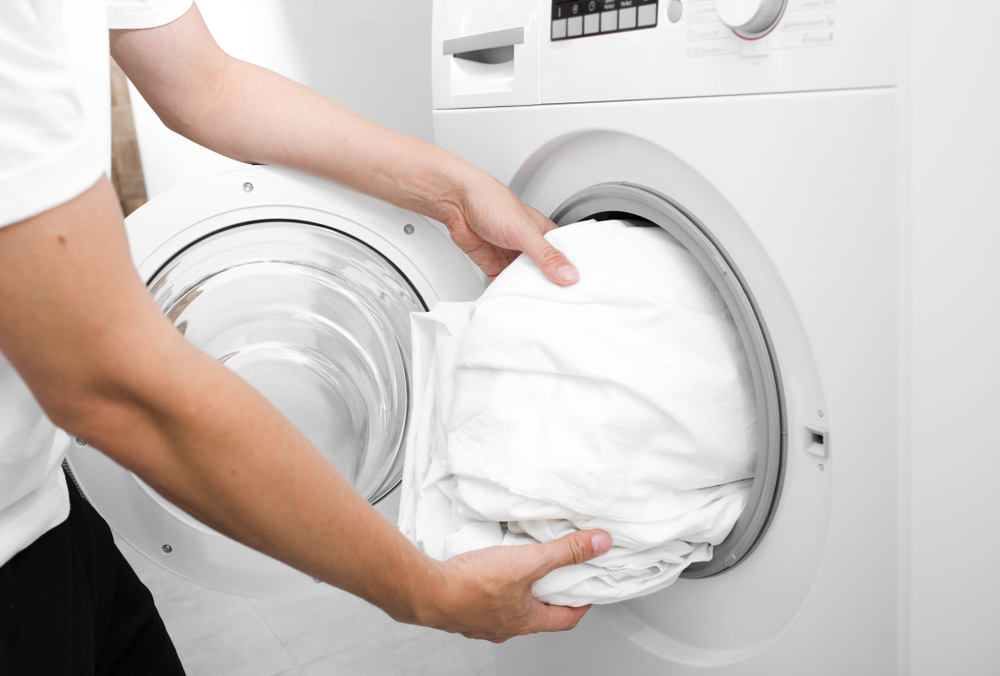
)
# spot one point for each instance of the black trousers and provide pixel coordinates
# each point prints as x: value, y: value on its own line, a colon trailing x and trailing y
x: 70, y: 605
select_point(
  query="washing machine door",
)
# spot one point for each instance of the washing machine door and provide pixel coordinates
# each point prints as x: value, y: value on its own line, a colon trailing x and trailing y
x: 304, y: 289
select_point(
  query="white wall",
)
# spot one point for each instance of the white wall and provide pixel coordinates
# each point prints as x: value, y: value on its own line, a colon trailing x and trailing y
x: 372, y: 56
x: 954, y: 125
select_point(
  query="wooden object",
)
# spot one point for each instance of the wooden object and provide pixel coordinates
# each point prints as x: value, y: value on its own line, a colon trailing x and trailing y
x: 126, y: 165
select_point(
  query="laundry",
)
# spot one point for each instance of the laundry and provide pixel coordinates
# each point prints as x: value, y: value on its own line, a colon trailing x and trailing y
x: 623, y: 402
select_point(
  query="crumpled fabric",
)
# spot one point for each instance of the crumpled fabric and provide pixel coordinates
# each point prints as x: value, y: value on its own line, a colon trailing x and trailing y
x: 623, y: 402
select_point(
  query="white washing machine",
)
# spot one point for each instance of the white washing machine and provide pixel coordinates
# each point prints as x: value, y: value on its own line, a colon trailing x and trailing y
x: 738, y: 146
x: 763, y: 134
x: 772, y: 151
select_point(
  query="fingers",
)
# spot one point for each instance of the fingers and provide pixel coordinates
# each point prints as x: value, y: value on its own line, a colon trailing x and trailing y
x: 553, y: 264
x: 556, y: 618
x: 571, y: 549
x: 544, y: 618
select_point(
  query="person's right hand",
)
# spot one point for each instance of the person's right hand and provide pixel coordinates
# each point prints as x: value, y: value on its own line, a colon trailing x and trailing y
x: 492, y: 226
x: 487, y: 593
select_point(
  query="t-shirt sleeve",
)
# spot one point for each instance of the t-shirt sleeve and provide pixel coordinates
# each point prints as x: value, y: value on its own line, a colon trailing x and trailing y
x: 126, y: 14
x: 46, y: 155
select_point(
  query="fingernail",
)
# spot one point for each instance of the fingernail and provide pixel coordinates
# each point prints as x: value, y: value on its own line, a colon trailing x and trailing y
x: 601, y: 542
x: 568, y: 273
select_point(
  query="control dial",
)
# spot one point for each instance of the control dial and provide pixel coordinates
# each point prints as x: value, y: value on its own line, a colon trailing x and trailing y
x: 750, y: 18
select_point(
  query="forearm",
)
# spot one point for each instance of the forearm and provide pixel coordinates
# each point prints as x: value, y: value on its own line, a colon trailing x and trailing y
x: 107, y: 366
x: 258, y: 116
x: 215, y: 447
x: 254, y: 115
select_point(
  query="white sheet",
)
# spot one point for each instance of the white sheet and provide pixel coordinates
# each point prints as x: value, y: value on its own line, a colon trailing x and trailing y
x: 623, y: 402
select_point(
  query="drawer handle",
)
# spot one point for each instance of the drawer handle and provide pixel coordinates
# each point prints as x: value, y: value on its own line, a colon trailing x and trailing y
x: 491, y: 47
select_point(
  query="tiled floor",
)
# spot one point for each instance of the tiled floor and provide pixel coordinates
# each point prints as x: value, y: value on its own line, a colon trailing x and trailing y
x: 219, y: 634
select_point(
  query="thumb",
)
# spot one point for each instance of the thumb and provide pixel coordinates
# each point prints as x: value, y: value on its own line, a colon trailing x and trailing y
x: 573, y: 548
x: 553, y: 264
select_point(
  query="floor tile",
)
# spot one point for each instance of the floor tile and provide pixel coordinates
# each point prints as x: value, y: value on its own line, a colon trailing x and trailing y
x: 409, y: 650
x: 314, y: 628
x: 341, y: 632
x: 215, y: 634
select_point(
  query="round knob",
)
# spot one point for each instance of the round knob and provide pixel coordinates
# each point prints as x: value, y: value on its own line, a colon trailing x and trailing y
x: 750, y: 18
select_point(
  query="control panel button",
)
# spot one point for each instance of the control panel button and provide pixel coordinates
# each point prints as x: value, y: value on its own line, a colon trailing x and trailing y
x: 647, y: 15
x: 574, y: 26
x: 609, y: 21
x: 626, y: 18
x: 591, y: 24
x: 674, y: 11
x: 559, y: 29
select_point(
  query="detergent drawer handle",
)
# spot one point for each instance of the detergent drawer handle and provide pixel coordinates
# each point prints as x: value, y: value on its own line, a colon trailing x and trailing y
x: 491, y: 47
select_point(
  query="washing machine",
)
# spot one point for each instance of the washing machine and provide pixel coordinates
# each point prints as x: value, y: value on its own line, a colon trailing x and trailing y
x: 763, y: 135
x: 759, y: 133
x: 796, y: 148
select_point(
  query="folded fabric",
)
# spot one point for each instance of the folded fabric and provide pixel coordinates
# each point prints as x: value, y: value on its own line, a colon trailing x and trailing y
x: 623, y: 402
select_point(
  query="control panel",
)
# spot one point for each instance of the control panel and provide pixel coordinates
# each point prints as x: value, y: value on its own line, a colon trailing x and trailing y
x: 538, y: 52
x: 580, y: 18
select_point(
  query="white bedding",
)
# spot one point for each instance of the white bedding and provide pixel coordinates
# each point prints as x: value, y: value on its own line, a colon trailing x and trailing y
x: 623, y: 402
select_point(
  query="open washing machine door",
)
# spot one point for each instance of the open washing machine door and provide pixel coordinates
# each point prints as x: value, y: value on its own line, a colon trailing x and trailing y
x: 304, y: 289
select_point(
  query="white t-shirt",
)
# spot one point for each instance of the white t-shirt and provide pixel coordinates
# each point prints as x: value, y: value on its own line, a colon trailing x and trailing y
x: 55, y: 131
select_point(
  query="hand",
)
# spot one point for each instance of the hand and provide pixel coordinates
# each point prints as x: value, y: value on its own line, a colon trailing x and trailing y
x: 493, y: 227
x: 487, y: 593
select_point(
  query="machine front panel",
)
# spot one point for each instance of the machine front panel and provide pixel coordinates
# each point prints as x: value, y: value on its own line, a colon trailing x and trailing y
x: 817, y: 202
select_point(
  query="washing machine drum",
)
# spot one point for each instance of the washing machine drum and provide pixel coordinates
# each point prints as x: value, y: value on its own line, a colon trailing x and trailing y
x: 306, y: 293
x: 317, y: 322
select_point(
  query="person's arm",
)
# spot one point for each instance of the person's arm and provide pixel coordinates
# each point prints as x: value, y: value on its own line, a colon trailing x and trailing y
x: 254, y: 115
x: 106, y: 365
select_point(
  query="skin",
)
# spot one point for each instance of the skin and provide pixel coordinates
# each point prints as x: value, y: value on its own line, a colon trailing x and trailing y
x: 253, y: 115
x: 82, y: 331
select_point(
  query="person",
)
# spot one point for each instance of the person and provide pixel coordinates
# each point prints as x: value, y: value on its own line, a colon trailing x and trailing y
x: 83, y: 342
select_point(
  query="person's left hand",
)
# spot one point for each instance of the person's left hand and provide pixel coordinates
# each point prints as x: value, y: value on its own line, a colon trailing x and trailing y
x: 492, y: 226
